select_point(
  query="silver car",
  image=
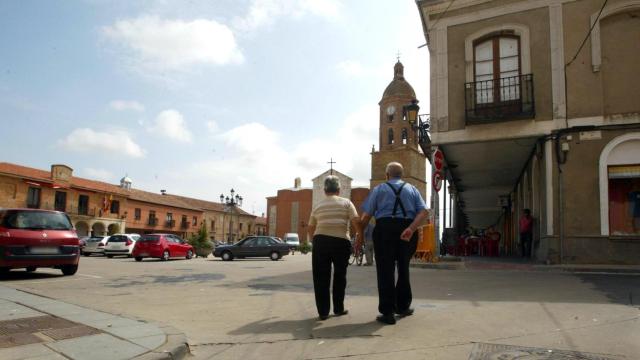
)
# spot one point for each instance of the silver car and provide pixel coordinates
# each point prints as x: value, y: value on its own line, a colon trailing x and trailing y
x: 95, y: 245
x: 120, y: 245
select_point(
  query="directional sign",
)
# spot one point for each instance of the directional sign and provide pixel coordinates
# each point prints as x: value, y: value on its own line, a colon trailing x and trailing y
x: 436, y: 179
x: 438, y: 159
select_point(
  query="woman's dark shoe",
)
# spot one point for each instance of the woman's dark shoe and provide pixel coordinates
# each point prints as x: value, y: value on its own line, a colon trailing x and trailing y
x: 323, y: 317
x: 388, y: 319
x: 405, y: 313
x: 343, y: 312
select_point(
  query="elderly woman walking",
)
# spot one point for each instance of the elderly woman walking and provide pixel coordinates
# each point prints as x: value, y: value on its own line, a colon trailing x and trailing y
x: 329, y: 227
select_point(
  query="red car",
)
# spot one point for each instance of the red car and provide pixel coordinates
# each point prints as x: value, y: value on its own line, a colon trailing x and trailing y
x: 162, y: 246
x: 31, y: 238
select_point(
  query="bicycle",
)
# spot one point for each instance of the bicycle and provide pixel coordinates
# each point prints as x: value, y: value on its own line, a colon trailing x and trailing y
x: 357, y: 253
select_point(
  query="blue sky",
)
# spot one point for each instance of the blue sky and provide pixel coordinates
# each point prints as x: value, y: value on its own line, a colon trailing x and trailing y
x: 196, y: 97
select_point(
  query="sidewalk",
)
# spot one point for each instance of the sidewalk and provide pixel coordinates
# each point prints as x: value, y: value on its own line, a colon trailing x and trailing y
x: 36, y: 327
x: 472, y: 263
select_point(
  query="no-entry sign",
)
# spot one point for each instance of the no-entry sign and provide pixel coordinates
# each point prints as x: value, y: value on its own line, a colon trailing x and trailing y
x: 436, y: 179
x: 438, y: 159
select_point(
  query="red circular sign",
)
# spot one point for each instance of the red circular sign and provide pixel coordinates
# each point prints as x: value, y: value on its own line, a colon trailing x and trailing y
x: 438, y: 159
x: 436, y: 179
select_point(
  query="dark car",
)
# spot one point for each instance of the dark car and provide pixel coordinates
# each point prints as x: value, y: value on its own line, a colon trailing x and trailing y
x: 253, y: 246
x: 31, y: 238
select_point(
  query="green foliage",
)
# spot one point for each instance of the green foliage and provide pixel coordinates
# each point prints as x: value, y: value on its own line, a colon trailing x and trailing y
x: 200, y: 240
x: 305, y: 247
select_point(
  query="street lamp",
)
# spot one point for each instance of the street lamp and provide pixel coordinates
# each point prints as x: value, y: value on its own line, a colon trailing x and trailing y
x: 418, y: 122
x: 411, y: 112
x: 230, y: 203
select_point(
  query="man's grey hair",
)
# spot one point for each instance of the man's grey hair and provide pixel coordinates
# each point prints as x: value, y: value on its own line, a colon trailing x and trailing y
x: 331, y: 184
x: 394, y: 169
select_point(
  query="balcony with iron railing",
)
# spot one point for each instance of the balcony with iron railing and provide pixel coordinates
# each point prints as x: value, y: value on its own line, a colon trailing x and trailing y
x: 504, y: 99
x: 184, y: 225
x: 152, y: 221
x: 170, y: 223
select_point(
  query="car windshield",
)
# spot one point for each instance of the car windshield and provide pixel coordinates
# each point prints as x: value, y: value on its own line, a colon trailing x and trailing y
x: 149, y: 238
x: 36, y: 220
x: 95, y: 239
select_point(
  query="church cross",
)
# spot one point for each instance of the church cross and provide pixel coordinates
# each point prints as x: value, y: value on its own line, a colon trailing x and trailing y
x: 331, y: 162
x: 398, y: 55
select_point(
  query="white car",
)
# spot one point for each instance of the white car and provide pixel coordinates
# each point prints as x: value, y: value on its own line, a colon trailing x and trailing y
x: 120, y: 244
x: 94, y: 245
x: 293, y: 241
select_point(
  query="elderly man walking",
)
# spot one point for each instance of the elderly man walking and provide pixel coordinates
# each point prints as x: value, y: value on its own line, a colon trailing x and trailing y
x: 329, y: 226
x: 398, y: 209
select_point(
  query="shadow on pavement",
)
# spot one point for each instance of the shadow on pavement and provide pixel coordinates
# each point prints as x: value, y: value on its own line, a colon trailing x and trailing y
x: 307, y: 329
x: 124, y: 282
x: 20, y: 274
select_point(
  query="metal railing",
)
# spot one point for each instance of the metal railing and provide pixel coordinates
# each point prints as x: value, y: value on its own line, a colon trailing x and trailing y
x: 501, y: 99
x: 170, y: 223
x: 184, y: 225
x: 424, y: 126
x: 152, y: 221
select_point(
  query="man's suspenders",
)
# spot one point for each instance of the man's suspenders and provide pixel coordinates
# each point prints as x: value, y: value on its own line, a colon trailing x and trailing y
x: 398, y: 202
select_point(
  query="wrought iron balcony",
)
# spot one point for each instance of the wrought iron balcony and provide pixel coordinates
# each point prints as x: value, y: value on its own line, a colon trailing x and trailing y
x: 424, y: 126
x: 170, y: 223
x: 504, y: 99
x: 152, y: 221
x: 184, y: 225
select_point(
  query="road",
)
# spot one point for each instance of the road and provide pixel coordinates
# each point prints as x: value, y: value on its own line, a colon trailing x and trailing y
x: 257, y: 308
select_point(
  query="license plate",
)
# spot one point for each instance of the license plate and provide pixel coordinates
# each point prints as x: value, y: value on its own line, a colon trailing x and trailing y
x: 143, y: 254
x: 45, y: 250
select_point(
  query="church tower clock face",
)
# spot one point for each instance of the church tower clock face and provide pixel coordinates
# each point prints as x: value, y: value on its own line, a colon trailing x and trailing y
x: 391, y: 110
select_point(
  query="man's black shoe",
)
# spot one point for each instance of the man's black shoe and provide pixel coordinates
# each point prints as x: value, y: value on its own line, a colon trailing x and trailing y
x: 386, y: 319
x: 323, y: 317
x: 405, y: 313
x: 343, y: 312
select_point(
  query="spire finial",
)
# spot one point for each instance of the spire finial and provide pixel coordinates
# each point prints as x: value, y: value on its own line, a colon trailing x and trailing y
x: 398, y: 55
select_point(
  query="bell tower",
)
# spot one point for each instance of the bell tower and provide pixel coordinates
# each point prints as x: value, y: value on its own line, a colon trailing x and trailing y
x: 398, y: 140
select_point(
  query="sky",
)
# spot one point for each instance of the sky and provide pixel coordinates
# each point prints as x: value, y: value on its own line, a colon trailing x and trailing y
x: 198, y: 97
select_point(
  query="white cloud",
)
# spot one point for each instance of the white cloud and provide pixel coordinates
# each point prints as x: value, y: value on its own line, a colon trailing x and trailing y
x: 163, y: 44
x: 212, y: 127
x: 123, y: 105
x: 106, y: 142
x: 98, y: 174
x: 170, y: 124
x: 267, y: 12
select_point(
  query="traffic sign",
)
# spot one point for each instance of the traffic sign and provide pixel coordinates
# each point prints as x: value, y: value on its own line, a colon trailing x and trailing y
x: 438, y: 159
x: 436, y: 179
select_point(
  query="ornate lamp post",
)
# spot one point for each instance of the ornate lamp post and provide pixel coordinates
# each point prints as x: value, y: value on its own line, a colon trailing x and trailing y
x: 230, y: 203
x: 416, y: 121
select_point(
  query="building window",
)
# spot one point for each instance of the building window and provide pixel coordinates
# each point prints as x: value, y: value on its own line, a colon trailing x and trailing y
x: 137, y: 214
x: 390, y: 136
x: 115, y: 207
x: 294, y: 217
x: 405, y: 136
x: 152, y: 218
x: 497, y: 69
x: 169, y: 216
x: 273, y: 215
x: 184, y: 222
x: 83, y: 205
x: 624, y: 199
x: 33, y: 197
x: 60, y: 201
x: 213, y: 225
x: 195, y: 221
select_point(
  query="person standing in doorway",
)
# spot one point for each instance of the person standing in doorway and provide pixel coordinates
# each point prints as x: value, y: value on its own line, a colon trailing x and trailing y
x: 526, y: 230
x: 329, y: 227
x: 398, y: 209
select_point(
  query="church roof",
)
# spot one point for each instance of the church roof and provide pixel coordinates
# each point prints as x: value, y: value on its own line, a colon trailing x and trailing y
x: 328, y: 172
x: 399, y: 86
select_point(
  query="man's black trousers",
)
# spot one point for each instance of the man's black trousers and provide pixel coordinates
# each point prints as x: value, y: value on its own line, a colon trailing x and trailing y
x: 391, y: 252
x: 328, y: 250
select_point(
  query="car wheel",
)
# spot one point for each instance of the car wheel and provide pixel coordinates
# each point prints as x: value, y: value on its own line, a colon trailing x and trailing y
x: 189, y: 254
x: 275, y: 256
x: 165, y: 255
x: 110, y: 256
x: 68, y: 270
x: 31, y: 268
x: 227, y: 256
x: 138, y: 258
x: 86, y: 254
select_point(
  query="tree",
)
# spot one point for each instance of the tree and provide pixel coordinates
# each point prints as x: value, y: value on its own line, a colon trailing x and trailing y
x: 200, y: 242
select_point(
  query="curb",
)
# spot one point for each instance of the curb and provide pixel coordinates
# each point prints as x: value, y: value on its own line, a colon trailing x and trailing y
x: 531, y: 268
x: 176, y: 346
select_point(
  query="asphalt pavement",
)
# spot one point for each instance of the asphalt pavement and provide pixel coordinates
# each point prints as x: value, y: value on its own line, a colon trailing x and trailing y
x: 258, y: 308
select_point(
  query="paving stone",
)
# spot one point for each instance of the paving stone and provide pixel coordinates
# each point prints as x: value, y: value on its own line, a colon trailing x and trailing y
x: 484, y: 351
x: 12, y: 311
x: 93, y: 318
x: 112, y: 323
x: 98, y: 347
x: 62, y: 309
x: 133, y: 332
x: 150, y: 342
x: 35, y: 351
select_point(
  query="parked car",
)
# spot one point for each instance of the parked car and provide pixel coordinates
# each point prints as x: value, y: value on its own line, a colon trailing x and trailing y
x: 162, y: 246
x: 95, y: 245
x: 31, y: 238
x: 120, y: 244
x: 292, y: 240
x: 253, y: 246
